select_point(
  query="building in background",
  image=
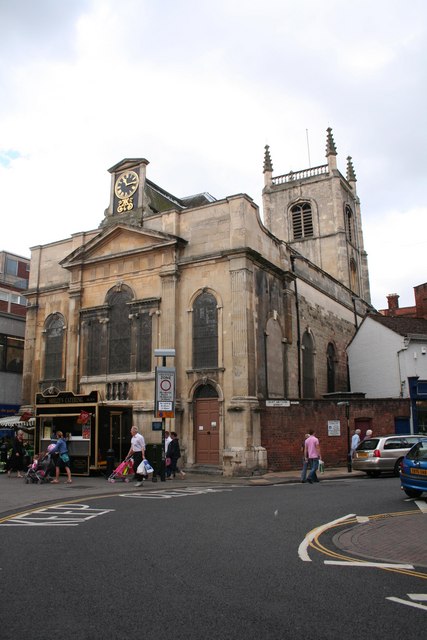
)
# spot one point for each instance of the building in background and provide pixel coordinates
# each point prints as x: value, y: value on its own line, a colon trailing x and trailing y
x: 419, y: 310
x: 14, y: 276
x: 255, y: 312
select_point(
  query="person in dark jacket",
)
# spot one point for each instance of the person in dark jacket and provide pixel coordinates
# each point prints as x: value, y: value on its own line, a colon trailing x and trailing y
x: 174, y: 453
x: 16, y: 460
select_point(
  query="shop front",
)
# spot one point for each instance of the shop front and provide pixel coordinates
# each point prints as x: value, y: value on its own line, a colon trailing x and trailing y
x: 91, y: 429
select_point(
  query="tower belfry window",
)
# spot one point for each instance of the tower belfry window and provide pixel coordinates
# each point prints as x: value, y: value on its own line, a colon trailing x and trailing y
x: 349, y: 224
x: 302, y: 221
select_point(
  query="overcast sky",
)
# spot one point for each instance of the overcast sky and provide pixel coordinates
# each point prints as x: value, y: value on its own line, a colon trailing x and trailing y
x: 198, y: 87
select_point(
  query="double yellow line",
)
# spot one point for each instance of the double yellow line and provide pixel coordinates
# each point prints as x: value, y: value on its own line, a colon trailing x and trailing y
x: 318, y: 546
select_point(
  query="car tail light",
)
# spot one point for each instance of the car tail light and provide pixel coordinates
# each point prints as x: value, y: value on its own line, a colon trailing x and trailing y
x: 377, y: 453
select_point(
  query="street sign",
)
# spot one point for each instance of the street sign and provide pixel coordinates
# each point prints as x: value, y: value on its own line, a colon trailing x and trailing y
x: 165, y: 392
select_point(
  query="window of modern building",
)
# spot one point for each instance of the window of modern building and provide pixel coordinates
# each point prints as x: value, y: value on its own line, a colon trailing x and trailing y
x: 330, y: 366
x: 54, y: 347
x: 11, y: 353
x: 307, y: 366
x: 302, y: 221
x: 11, y: 267
x: 205, y: 332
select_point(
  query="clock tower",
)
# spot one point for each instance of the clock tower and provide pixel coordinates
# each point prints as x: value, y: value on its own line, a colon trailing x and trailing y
x: 128, y: 199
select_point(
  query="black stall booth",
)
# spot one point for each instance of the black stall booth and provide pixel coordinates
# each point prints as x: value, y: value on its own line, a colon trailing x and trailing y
x: 91, y: 429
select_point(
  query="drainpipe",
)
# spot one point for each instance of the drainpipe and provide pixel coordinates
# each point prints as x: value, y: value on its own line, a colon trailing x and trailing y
x: 298, y: 326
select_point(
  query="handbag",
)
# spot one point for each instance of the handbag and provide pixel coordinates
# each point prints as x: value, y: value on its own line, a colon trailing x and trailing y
x: 65, y: 458
x: 168, y: 462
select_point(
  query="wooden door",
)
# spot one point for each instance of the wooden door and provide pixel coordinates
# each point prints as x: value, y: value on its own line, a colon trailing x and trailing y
x: 206, y: 424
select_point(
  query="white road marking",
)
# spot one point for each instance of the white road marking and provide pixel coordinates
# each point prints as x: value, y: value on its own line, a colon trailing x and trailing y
x: 416, y: 605
x: 302, y: 549
x: 59, y: 515
x: 163, y: 494
x: 422, y: 505
x: 376, y: 565
x: 422, y: 597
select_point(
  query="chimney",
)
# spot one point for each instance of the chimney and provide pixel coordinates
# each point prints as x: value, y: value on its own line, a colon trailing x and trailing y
x: 393, y: 303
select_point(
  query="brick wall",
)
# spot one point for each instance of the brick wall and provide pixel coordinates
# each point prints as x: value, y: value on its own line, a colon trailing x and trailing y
x: 283, y: 428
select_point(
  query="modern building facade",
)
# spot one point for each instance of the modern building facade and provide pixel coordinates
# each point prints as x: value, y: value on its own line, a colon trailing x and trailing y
x: 14, y: 276
x: 254, y: 310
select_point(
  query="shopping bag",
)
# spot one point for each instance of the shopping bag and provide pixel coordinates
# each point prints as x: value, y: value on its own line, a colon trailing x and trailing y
x: 144, y: 468
x: 321, y: 467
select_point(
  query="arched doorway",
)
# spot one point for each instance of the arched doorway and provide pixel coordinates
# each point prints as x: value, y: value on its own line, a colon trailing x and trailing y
x: 206, y: 425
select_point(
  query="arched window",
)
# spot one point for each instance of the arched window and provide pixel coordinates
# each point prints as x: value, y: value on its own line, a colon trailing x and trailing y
x: 349, y: 224
x: 54, y: 347
x: 307, y: 366
x: 119, y: 347
x: 353, y: 276
x: 205, y: 332
x: 330, y: 367
x: 274, y: 350
x: 302, y: 221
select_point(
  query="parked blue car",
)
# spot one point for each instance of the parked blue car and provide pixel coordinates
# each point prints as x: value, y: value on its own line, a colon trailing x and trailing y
x: 413, y: 472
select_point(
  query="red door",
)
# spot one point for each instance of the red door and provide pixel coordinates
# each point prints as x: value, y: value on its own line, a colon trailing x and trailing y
x: 206, y: 424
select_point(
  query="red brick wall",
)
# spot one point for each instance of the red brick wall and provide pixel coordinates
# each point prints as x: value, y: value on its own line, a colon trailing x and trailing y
x: 283, y: 428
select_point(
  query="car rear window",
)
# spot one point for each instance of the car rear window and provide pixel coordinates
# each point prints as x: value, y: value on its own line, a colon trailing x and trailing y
x: 368, y: 445
x: 396, y: 443
x: 418, y: 452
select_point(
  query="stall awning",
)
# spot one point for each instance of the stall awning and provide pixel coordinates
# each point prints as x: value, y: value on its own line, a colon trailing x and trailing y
x: 14, y: 422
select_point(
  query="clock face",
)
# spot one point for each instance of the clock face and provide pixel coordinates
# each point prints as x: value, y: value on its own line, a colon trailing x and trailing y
x: 126, y: 184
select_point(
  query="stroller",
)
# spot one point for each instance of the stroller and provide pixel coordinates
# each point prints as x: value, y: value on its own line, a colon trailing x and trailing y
x: 123, y: 472
x: 42, y: 469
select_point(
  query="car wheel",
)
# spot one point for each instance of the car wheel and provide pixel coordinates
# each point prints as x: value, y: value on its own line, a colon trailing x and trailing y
x: 398, y: 467
x: 412, y: 493
x: 373, y: 474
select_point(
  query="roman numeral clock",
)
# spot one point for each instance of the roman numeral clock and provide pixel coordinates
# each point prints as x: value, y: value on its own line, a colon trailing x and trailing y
x: 125, y: 186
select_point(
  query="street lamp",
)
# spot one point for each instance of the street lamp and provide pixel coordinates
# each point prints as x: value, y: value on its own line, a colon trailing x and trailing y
x: 347, y: 415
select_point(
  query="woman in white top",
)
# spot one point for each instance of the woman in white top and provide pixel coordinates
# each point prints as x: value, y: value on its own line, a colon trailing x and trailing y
x: 137, y: 451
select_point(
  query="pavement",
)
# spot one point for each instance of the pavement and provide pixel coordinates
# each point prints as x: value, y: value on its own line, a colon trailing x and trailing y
x: 379, y: 540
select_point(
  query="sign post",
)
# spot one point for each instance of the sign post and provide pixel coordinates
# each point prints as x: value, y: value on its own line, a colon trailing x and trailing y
x: 164, y: 401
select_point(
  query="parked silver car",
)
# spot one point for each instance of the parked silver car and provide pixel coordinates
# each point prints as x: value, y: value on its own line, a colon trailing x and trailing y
x: 383, y: 453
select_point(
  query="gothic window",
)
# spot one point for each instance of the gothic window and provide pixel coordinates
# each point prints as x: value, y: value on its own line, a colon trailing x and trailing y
x: 330, y: 366
x: 54, y: 347
x: 119, y: 347
x: 274, y: 350
x: 353, y: 276
x: 144, y: 342
x: 349, y: 224
x: 307, y: 366
x: 94, y: 342
x: 302, y: 221
x: 205, y: 332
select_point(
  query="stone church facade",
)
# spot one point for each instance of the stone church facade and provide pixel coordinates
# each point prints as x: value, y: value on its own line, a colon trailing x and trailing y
x: 256, y: 309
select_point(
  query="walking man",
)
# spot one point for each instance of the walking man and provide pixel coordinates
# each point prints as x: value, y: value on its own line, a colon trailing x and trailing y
x: 313, y: 455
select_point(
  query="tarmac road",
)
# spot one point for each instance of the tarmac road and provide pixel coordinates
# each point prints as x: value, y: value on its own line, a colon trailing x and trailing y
x: 377, y: 540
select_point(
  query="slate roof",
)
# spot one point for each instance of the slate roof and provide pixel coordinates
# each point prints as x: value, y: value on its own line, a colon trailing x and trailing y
x: 162, y: 200
x: 403, y: 325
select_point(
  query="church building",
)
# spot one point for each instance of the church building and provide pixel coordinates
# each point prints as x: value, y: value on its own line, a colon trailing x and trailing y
x: 257, y: 308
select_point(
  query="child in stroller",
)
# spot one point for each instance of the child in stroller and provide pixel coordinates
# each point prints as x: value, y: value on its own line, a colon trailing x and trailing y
x: 42, y: 469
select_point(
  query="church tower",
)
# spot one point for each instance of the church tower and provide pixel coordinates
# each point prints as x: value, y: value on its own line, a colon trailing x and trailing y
x: 316, y: 211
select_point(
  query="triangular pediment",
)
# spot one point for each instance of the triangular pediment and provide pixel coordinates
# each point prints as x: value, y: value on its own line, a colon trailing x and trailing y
x: 120, y: 241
